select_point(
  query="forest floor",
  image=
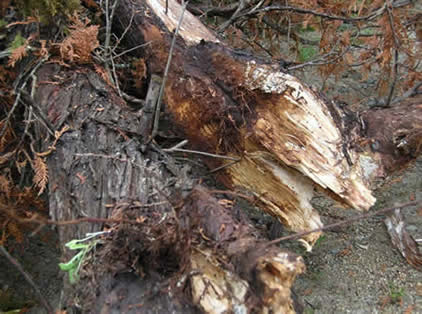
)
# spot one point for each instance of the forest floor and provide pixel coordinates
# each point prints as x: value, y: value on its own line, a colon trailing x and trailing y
x: 356, y: 269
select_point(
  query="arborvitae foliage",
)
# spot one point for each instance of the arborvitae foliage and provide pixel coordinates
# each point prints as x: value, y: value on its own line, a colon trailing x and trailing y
x: 23, y: 170
x: 48, y: 9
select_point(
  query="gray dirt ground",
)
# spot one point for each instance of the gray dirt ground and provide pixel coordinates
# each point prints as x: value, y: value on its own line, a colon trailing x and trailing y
x: 356, y: 269
x: 39, y: 256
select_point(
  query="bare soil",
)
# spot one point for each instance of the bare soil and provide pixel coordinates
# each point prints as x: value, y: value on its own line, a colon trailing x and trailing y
x: 356, y: 269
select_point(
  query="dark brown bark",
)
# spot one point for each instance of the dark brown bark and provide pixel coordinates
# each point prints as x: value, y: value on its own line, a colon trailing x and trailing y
x: 395, y: 134
x: 97, y: 165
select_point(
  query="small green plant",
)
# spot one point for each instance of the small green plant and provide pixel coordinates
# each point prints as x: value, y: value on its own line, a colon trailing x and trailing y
x: 320, y: 240
x: 396, y: 293
x: 308, y: 28
x: 306, y: 53
x: 308, y: 310
x: 73, y: 266
x: 17, y: 42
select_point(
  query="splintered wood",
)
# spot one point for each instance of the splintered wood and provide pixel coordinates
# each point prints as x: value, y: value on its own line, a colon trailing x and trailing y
x: 262, y: 275
x: 285, y: 135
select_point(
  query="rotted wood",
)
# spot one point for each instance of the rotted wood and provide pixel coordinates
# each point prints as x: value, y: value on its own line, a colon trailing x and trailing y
x: 394, y: 134
x: 186, y: 251
x: 98, y: 164
x: 263, y: 275
x: 289, y: 139
x: 236, y: 105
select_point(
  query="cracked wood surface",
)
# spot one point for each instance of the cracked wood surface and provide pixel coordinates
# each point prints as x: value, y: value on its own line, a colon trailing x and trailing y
x: 230, y: 103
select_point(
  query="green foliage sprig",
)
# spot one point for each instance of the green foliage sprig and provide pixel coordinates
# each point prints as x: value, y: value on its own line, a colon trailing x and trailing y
x: 73, y: 266
x: 48, y: 9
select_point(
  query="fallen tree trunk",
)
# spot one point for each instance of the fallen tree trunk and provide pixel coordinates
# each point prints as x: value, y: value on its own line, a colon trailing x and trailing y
x: 158, y: 240
x: 286, y: 137
x: 166, y: 248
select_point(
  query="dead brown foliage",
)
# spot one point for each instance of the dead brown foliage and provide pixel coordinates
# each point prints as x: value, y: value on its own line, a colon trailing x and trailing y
x: 81, y: 41
x: 336, y: 36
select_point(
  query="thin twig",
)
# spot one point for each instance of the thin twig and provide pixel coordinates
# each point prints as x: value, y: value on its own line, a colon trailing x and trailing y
x: 28, y: 278
x: 254, y: 42
x: 27, y: 121
x: 211, y: 11
x: 116, y: 78
x: 178, y: 145
x: 92, y: 220
x: 396, y: 55
x: 109, y: 20
x: 19, y: 93
x: 395, y: 74
x: 41, y: 221
x: 409, y: 93
x: 132, y: 98
x: 342, y: 223
x: 124, y: 32
x: 107, y: 50
x: 181, y: 150
x: 321, y: 60
x: 241, y: 5
x: 108, y: 25
x: 224, y: 166
x: 131, y: 49
x: 368, y: 17
x: 166, y: 71
x: 38, y: 113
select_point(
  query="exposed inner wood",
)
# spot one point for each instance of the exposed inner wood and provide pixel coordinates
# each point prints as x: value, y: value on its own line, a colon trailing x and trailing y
x: 285, y: 135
